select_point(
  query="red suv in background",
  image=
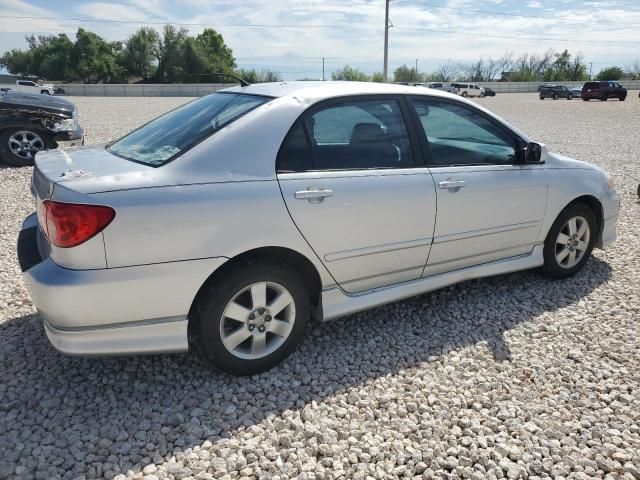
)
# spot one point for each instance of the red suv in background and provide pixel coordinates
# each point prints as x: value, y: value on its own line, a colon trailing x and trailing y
x: 603, y: 91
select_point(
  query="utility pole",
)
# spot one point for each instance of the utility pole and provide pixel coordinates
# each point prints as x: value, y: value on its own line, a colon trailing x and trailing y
x: 323, y: 69
x: 590, y: 67
x: 386, y: 41
x: 416, y: 65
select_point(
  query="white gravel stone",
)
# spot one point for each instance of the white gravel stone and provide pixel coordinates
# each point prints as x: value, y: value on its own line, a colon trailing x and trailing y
x: 509, y: 377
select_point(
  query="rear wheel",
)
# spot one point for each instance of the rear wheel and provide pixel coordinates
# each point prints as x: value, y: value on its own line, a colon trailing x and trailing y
x: 555, y: 96
x: 570, y: 97
x: 604, y: 98
x: 252, y: 319
x: 18, y: 146
x: 464, y: 94
x: 570, y: 241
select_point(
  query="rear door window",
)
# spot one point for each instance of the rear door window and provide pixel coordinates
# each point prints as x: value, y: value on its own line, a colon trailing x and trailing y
x: 349, y: 135
x: 172, y: 134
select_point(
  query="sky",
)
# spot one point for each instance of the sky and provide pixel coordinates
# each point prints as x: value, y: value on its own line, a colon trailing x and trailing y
x: 292, y: 36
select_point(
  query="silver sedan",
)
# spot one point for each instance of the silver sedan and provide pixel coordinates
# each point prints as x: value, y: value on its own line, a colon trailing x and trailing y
x: 230, y: 223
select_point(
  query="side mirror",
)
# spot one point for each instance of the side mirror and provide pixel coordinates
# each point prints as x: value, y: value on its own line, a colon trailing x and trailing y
x: 535, y: 153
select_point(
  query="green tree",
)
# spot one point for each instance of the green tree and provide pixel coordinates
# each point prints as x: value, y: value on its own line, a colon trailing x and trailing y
x: 138, y: 54
x: 169, y: 55
x: 219, y: 55
x: 405, y: 74
x: 377, y: 77
x: 350, y: 73
x: 18, y: 62
x: 610, y: 73
x: 252, y: 75
x: 96, y: 60
x: 48, y: 56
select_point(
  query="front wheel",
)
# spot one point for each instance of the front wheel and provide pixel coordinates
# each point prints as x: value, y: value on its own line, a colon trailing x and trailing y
x: 570, y: 241
x: 555, y: 96
x: 570, y: 97
x: 18, y: 146
x: 465, y: 94
x: 252, y: 319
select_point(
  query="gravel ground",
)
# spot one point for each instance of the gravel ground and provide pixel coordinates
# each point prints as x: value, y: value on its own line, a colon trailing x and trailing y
x: 515, y: 376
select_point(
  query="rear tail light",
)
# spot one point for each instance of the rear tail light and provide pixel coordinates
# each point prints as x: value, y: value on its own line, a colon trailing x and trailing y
x: 69, y: 224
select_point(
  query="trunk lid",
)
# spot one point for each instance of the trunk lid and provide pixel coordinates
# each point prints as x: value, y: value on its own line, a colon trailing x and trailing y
x: 84, y: 171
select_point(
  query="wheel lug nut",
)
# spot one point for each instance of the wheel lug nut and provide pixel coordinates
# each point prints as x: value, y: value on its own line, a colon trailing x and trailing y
x: 251, y: 327
x: 261, y: 311
x: 267, y: 318
x: 251, y: 316
x: 261, y: 329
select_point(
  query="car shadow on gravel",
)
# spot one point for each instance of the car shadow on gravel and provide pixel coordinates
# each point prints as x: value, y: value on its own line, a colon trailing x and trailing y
x: 94, y: 415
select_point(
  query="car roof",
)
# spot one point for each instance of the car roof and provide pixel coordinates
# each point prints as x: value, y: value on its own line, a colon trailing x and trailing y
x: 319, y: 90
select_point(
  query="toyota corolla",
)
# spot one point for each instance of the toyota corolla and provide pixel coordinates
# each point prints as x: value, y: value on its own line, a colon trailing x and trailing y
x: 233, y: 221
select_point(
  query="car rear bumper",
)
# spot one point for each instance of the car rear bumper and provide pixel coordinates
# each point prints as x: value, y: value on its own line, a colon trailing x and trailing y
x: 160, y: 336
x: 138, y: 309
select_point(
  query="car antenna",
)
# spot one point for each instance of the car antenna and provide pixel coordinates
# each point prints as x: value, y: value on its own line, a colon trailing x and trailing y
x: 243, y: 82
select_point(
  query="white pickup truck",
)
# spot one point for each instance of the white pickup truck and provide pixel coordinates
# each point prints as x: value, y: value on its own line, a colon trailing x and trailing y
x: 27, y: 86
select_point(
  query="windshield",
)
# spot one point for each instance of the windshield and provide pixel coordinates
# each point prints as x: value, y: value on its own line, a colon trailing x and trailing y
x: 172, y: 134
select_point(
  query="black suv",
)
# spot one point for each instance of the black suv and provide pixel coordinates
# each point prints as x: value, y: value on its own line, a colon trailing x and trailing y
x: 603, y: 91
x: 555, y: 92
x: 33, y: 122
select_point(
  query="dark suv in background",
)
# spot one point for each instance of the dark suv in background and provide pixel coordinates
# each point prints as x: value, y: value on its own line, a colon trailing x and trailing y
x: 603, y: 91
x: 555, y: 92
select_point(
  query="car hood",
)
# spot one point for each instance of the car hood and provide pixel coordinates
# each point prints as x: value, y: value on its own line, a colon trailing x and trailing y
x: 37, y: 102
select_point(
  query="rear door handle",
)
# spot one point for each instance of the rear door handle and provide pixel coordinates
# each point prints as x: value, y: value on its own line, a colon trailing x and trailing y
x: 312, y: 194
x: 453, y: 185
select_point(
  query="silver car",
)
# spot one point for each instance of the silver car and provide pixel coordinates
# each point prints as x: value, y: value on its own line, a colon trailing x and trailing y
x: 230, y: 223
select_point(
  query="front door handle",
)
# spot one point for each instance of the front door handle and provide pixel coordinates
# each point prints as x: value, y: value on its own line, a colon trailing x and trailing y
x: 452, y: 185
x: 314, y: 195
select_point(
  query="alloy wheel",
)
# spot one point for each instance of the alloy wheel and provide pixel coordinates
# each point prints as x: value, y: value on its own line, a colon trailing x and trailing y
x: 25, y: 144
x: 572, y: 242
x: 257, y: 320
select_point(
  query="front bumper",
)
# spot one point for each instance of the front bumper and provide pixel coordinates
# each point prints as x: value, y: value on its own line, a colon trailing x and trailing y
x: 128, y: 310
x: 610, y: 209
x: 74, y: 138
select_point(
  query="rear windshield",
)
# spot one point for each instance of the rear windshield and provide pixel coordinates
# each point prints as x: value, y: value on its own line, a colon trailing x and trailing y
x: 172, y: 134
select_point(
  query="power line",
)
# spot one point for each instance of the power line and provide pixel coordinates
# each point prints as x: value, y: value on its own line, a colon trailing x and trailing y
x: 335, y: 25
x: 550, y: 39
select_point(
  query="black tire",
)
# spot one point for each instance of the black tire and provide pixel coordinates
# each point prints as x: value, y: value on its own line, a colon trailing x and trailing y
x: 208, y: 316
x: 604, y: 99
x: 551, y: 266
x: 555, y: 96
x: 622, y: 99
x: 465, y: 94
x: 45, y: 92
x: 13, y: 160
x: 570, y: 97
x: 585, y: 99
x: 541, y: 97
x: 638, y: 191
